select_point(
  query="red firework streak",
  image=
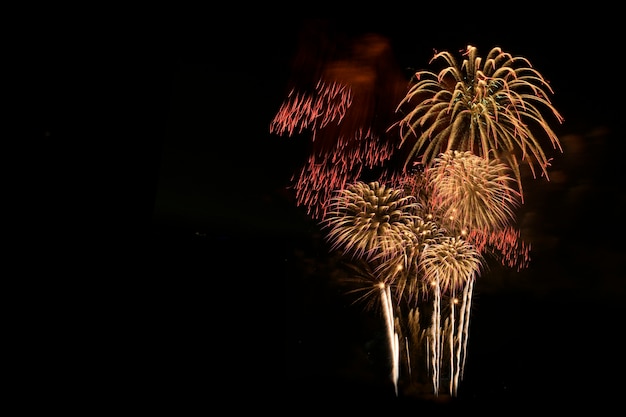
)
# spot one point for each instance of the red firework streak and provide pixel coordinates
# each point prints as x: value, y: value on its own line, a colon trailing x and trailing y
x: 344, y: 92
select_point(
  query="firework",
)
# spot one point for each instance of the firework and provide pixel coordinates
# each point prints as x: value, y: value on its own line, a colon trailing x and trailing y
x: 370, y: 221
x: 472, y: 192
x: 380, y: 229
x: 450, y: 267
x: 450, y: 263
x: 492, y: 108
x: 345, y: 100
x: 415, y: 239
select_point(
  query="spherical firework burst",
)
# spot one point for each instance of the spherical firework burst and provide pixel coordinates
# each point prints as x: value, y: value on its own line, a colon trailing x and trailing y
x: 370, y: 221
x: 450, y: 263
x: 491, y: 108
x: 473, y: 192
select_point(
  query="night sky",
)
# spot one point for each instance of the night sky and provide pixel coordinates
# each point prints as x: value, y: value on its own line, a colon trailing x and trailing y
x: 215, y: 276
x: 547, y: 334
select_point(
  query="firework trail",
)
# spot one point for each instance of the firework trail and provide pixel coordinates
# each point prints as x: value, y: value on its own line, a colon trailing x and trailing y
x: 447, y: 342
x: 452, y: 344
x: 465, y: 319
x: 408, y: 356
x: 435, y: 337
x: 394, y: 349
x: 458, y: 340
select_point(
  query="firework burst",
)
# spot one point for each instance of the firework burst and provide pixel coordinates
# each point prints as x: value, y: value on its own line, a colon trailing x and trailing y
x: 492, y: 108
x: 450, y: 263
x: 473, y: 192
x: 370, y: 221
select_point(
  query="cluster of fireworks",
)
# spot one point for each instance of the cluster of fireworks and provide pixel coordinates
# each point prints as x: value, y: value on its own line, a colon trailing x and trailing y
x: 417, y: 239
